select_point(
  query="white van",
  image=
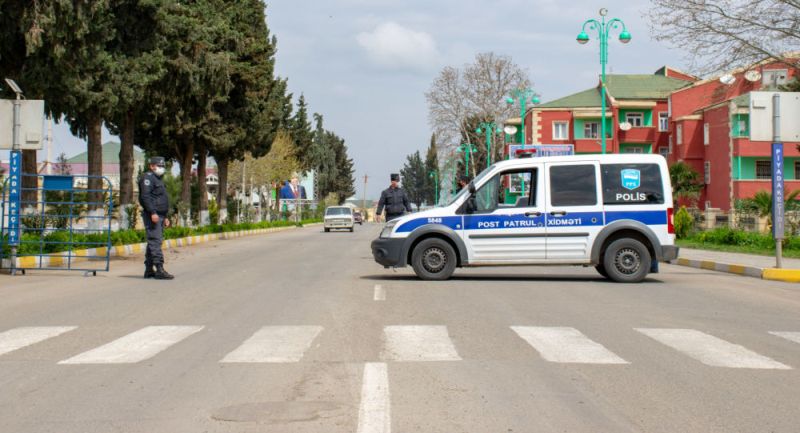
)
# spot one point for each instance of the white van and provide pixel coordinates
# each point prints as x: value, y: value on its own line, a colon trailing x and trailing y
x: 610, y: 211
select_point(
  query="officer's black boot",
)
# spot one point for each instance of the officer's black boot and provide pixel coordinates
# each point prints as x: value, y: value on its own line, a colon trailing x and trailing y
x: 148, y: 271
x: 161, y: 274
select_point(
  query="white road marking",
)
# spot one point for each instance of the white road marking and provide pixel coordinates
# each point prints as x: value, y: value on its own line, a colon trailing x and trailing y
x: 134, y: 347
x: 418, y: 343
x: 275, y: 344
x: 380, y: 293
x: 18, y: 338
x: 711, y: 350
x: 566, y: 345
x: 374, y: 412
x: 791, y: 336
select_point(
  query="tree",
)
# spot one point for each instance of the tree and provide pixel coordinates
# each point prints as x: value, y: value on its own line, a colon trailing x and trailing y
x: 344, y: 185
x: 685, y: 182
x: 415, y: 179
x: 302, y: 134
x: 432, y: 165
x: 61, y: 165
x: 478, y: 91
x: 723, y: 34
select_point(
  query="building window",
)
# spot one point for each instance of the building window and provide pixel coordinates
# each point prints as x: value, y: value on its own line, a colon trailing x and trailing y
x: 664, y: 151
x: 560, y: 131
x: 764, y: 169
x: 797, y: 170
x: 635, y: 119
x: 679, y: 133
x: 742, y: 128
x: 705, y: 134
x: 663, y: 121
x: 707, y: 172
x: 633, y: 149
x: 591, y: 130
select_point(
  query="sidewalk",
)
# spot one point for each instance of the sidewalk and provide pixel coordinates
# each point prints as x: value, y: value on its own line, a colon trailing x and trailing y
x: 742, y: 264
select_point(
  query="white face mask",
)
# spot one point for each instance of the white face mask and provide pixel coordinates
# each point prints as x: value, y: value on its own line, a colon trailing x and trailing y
x: 159, y: 171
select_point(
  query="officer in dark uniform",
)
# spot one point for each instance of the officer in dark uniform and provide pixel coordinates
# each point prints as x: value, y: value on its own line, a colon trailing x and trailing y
x: 394, y: 200
x: 155, y: 205
x: 463, y: 181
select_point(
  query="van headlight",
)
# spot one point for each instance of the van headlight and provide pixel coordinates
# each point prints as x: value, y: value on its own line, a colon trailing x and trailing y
x: 387, y: 229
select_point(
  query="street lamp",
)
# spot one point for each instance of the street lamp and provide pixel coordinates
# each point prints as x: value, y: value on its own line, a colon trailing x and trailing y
x: 467, y: 148
x: 524, y: 96
x: 603, y: 28
x: 435, y: 175
x: 490, y: 128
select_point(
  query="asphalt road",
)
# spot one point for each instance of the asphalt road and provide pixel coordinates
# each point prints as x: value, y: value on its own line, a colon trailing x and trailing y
x: 301, y: 331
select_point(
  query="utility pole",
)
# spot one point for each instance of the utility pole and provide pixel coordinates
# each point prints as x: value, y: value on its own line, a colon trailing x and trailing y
x: 364, y: 198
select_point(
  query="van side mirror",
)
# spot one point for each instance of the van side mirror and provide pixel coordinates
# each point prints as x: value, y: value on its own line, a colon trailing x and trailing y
x: 471, y: 188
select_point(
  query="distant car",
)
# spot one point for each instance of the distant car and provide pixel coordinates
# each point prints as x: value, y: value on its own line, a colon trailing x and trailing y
x: 338, y: 217
x: 358, y: 218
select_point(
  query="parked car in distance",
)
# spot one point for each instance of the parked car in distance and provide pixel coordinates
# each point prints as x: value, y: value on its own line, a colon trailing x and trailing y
x: 358, y: 218
x: 338, y: 217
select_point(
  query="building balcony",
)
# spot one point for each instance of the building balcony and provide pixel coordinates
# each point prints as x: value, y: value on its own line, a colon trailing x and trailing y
x: 645, y: 134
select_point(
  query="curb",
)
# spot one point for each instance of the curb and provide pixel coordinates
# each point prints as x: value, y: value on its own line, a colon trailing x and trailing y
x: 773, y: 274
x: 60, y: 259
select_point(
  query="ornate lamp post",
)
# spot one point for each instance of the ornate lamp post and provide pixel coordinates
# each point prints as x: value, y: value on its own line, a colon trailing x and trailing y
x: 523, y: 96
x: 490, y: 128
x: 435, y: 175
x: 467, y: 148
x: 603, y: 28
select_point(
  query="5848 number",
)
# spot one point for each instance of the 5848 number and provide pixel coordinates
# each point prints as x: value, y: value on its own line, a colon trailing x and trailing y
x: 434, y: 220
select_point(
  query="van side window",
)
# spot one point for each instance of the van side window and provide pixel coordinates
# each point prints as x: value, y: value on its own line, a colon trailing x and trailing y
x: 506, y: 190
x: 632, y: 184
x: 573, y: 185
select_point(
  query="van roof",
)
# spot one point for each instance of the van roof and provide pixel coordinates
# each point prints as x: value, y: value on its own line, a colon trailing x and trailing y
x: 650, y: 158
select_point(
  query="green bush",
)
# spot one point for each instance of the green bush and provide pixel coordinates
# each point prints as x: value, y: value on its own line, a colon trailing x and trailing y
x: 683, y: 223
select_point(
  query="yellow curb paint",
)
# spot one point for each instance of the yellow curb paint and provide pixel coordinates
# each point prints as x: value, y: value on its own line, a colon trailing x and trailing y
x: 705, y: 264
x: 683, y: 262
x: 81, y: 253
x: 56, y: 261
x: 137, y: 248
x: 101, y: 251
x: 26, y: 262
x: 119, y: 250
x: 736, y: 269
x: 787, y: 275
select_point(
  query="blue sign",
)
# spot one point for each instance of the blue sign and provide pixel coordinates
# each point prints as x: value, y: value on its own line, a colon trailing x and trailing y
x: 14, y: 196
x: 778, y: 192
x: 631, y: 178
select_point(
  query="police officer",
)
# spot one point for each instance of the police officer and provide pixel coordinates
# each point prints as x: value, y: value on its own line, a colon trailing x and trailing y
x: 463, y: 181
x: 155, y: 205
x: 394, y: 199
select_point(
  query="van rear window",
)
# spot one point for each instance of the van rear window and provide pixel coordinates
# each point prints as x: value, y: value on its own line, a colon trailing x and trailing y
x: 632, y: 184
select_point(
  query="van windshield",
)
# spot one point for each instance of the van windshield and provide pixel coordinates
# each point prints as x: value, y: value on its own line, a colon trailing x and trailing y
x: 476, y: 181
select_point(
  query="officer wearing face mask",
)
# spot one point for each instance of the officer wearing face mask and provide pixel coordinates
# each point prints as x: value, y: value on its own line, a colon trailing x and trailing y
x: 155, y: 205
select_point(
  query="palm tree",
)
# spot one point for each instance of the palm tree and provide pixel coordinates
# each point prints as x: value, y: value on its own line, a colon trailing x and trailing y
x: 685, y: 182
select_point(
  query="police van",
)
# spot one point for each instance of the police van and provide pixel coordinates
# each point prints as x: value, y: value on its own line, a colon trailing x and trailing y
x: 613, y: 212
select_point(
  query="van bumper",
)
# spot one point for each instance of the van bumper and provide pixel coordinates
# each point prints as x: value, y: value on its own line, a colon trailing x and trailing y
x: 388, y: 252
x: 669, y: 253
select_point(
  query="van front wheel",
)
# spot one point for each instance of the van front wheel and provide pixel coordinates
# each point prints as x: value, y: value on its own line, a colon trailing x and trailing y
x: 626, y: 261
x: 433, y: 259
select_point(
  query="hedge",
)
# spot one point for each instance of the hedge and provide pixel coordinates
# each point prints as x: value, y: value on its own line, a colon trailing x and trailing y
x: 728, y: 236
x: 31, y: 243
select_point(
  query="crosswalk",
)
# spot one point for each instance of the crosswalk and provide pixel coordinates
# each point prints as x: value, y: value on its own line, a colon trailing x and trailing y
x: 407, y: 343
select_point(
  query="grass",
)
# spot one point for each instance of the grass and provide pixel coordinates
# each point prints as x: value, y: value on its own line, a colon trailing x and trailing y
x: 743, y: 249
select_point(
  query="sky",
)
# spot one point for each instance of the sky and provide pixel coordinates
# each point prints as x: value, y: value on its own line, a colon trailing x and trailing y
x: 365, y: 65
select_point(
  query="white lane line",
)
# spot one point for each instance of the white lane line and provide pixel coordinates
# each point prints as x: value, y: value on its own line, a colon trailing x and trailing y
x: 374, y: 412
x: 18, y: 338
x: 711, y: 350
x: 136, y: 346
x: 380, y: 293
x: 418, y: 343
x: 275, y: 344
x: 791, y: 336
x: 566, y: 345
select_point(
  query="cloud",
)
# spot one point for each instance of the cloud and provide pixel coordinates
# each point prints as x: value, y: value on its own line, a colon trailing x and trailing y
x: 393, y: 46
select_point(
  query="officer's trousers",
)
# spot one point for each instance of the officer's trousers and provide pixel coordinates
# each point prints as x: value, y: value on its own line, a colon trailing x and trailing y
x: 155, y: 237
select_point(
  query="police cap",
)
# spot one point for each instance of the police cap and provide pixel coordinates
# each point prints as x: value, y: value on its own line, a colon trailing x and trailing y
x: 395, y: 177
x: 157, y: 160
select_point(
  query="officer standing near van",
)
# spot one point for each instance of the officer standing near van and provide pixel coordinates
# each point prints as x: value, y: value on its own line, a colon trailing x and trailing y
x: 394, y: 200
x: 155, y: 204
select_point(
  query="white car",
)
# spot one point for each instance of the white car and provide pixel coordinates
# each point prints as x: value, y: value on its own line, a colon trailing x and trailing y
x: 613, y: 212
x: 338, y: 217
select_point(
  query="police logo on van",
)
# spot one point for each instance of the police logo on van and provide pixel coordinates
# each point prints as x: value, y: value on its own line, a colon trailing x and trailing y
x: 631, y: 178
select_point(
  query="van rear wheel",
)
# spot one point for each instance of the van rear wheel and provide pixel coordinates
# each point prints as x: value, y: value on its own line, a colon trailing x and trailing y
x: 626, y: 261
x: 433, y: 259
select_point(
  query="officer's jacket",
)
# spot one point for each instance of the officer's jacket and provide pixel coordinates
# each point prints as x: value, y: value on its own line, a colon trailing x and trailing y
x: 395, y: 200
x: 153, y: 194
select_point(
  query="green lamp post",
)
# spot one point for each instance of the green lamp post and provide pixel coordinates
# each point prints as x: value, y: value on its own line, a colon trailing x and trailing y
x: 523, y: 96
x: 490, y: 128
x: 467, y: 148
x: 603, y: 28
x: 435, y: 175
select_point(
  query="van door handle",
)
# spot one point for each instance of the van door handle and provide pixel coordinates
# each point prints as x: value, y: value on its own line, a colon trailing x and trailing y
x: 558, y: 213
x: 533, y: 214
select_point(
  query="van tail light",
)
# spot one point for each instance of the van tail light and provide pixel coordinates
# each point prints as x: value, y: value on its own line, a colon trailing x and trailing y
x: 670, y: 221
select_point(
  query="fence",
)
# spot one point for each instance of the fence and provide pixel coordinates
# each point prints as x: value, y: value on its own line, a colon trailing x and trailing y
x: 60, y: 222
x: 741, y: 220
